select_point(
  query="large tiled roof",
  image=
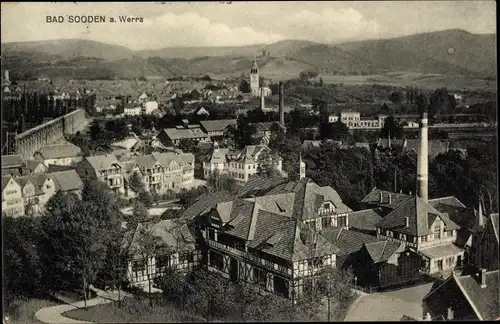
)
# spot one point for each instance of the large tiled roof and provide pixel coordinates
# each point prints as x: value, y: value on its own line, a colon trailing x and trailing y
x: 381, y: 251
x: 145, y: 161
x: 365, y: 219
x: 184, y: 133
x: 347, y: 241
x: 449, y: 200
x: 102, y: 162
x: 10, y: 161
x: 217, y: 125
x: 184, y: 159
x: 309, y: 197
x: 482, y: 299
x: 205, y: 202
x: 219, y: 156
x: 5, y: 181
x: 67, y: 180
x: 266, y: 126
x: 57, y: 151
x: 374, y: 198
x: 174, y: 236
x: 37, y: 180
x: 259, y: 186
x: 31, y: 165
x: 275, y: 234
x: 435, y: 147
x: 420, y: 216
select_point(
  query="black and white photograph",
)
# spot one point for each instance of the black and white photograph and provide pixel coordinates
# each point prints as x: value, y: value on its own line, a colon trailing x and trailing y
x: 249, y: 161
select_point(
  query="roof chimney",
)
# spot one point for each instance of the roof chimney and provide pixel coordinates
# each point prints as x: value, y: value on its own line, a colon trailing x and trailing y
x: 480, y: 216
x: 281, y: 104
x: 482, y: 278
x: 422, y: 165
x: 407, y: 222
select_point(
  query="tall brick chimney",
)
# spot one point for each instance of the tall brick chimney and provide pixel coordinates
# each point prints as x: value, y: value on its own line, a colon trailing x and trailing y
x: 282, y: 104
x: 422, y: 164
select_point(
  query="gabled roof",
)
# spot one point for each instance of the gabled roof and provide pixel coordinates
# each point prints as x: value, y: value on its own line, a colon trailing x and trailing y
x: 309, y: 197
x: 365, y: 219
x: 12, y: 161
x: 102, y: 162
x: 394, y: 143
x: 483, y: 301
x: 347, y: 241
x: 435, y: 147
x: 67, y: 180
x: 219, y: 156
x: 31, y: 165
x: 5, y: 181
x: 184, y: 159
x: 266, y: 126
x: 373, y: 198
x: 58, y: 151
x: 381, y: 251
x: 217, y: 125
x: 184, y: 133
x: 38, y: 180
x: 420, y: 216
x: 145, y: 161
x: 204, y: 203
x: 449, y: 200
x: 174, y: 236
x: 259, y: 186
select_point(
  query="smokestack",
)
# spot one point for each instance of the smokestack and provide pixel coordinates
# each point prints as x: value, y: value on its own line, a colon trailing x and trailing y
x: 6, y: 75
x: 422, y: 167
x: 482, y: 278
x: 282, y: 103
x: 262, y: 99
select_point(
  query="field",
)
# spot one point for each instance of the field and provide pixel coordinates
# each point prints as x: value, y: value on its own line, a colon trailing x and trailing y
x: 132, y: 311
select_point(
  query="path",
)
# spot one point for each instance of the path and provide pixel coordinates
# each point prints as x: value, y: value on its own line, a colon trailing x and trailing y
x: 53, y: 315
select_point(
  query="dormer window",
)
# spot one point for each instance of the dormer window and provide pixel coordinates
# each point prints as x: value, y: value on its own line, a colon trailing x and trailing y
x: 389, y: 233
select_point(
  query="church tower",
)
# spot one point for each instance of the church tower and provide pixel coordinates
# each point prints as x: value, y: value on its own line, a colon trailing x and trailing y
x: 254, y: 79
x: 302, y: 167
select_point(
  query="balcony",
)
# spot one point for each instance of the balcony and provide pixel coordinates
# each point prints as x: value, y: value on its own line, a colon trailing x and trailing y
x: 249, y: 257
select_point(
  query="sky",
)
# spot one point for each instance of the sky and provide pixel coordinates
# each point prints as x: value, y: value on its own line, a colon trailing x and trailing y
x: 243, y: 23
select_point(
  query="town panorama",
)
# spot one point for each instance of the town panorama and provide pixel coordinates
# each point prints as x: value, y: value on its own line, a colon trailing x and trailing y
x: 249, y: 161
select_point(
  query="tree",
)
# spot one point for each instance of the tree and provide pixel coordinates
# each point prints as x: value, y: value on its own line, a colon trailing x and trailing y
x: 396, y: 97
x: 145, y: 197
x: 391, y: 128
x: 95, y: 131
x: 423, y: 104
x: 221, y: 182
x: 267, y: 165
x: 73, y: 242
x: 135, y: 183
x: 244, y: 86
x: 187, y: 145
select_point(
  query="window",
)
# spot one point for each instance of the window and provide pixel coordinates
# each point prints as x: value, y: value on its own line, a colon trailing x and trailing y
x: 437, y: 231
x: 211, y: 234
x: 315, y: 263
x: 162, y: 261
x: 423, y: 238
x: 449, y: 262
x: 312, y: 224
x: 139, y: 265
x: 402, y: 237
x: 326, y: 222
x: 389, y: 233
x: 341, y: 221
x: 260, y: 277
x: 186, y: 257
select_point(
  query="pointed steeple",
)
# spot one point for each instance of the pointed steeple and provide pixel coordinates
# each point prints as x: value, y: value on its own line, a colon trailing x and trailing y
x: 302, y: 167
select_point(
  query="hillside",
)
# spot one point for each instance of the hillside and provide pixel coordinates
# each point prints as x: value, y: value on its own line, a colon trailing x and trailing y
x: 472, y: 56
x: 429, y: 52
x: 69, y: 48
